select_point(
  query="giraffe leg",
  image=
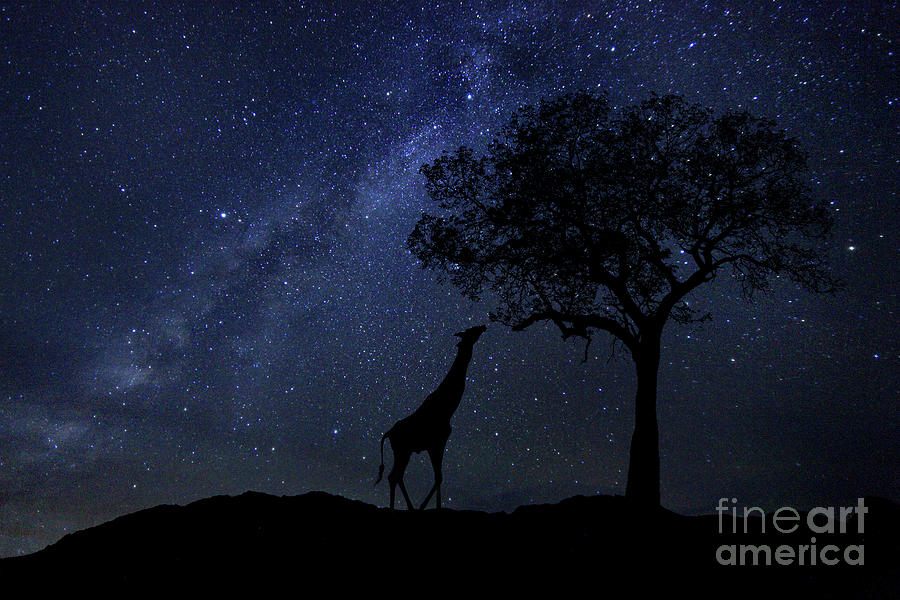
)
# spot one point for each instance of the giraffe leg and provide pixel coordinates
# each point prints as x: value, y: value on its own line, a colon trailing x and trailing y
x: 437, y: 458
x: 409, y: 503
x: 395, y: 478
x: 428, y: 497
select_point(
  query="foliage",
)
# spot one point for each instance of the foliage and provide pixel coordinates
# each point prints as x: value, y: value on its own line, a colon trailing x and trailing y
x: 600, y: 221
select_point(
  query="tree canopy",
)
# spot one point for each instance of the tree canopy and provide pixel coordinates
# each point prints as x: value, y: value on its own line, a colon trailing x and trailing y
x: 595, y: 221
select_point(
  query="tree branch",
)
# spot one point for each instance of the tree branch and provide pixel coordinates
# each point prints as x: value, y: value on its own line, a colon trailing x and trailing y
x: 579, y: 325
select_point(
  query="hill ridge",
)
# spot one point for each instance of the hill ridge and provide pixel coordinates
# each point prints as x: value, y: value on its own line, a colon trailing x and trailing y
x: 324, y: 537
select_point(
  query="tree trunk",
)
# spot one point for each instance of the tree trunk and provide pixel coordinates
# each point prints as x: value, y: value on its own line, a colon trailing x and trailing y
x: 643, y: 468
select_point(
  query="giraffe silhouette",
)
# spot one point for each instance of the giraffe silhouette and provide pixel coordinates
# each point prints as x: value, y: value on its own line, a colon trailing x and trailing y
x: 428, y: 428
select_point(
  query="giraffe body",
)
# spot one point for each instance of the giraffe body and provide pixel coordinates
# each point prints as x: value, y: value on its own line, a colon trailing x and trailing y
x: 428, y: 428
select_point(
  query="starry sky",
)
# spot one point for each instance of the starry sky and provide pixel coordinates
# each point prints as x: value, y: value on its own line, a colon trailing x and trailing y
x: 205, y: 285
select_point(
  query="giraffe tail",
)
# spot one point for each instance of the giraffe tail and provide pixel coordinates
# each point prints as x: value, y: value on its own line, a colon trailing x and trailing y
x: 381, y: 468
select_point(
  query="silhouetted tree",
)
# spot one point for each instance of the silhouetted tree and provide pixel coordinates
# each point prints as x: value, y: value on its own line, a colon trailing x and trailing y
x: 595, y: 221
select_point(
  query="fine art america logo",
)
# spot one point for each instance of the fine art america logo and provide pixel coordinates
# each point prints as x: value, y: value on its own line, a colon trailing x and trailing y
x: 786, y: 520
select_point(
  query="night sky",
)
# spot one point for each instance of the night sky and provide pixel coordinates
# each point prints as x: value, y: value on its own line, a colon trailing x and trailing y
x: 206, y: 289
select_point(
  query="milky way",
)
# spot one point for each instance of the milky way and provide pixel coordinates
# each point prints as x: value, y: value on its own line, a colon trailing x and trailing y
x: 206, y: 289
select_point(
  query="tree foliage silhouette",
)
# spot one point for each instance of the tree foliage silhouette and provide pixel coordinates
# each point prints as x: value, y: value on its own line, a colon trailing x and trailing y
x: 600, y: 221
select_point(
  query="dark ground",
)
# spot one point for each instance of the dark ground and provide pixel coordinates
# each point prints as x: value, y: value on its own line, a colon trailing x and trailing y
x: 598, y: 546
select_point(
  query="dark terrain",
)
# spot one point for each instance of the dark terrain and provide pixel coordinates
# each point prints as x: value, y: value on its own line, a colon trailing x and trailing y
x: 318, y: 542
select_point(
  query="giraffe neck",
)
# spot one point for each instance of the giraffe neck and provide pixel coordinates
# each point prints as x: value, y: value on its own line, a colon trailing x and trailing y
x: 453, y: 385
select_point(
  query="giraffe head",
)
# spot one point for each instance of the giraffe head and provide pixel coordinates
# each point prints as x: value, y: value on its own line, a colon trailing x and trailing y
x: 470, y: 335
